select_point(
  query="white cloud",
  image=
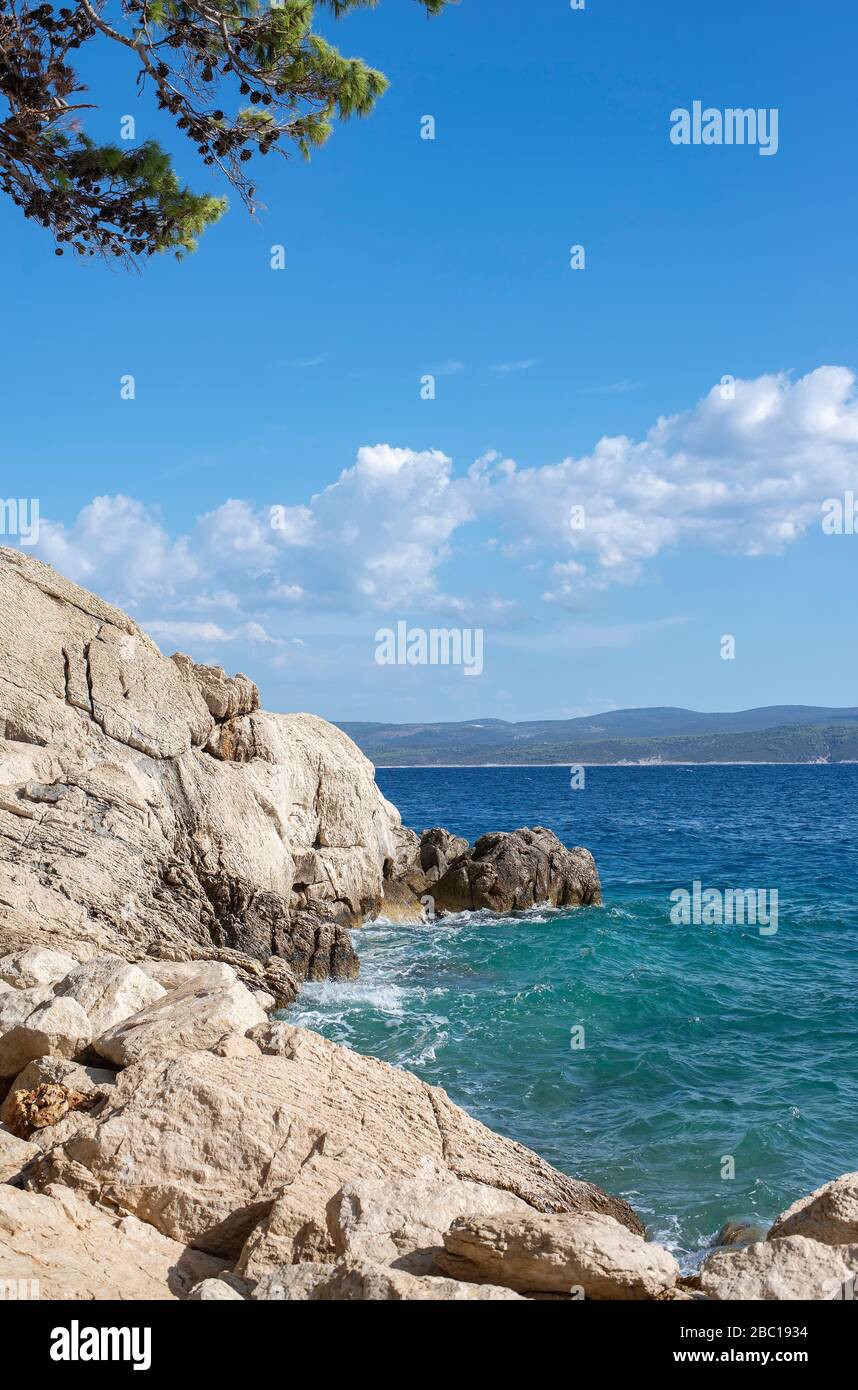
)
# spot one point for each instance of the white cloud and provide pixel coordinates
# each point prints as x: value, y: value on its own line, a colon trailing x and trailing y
x: 180, y: 631
x: 745, y: 476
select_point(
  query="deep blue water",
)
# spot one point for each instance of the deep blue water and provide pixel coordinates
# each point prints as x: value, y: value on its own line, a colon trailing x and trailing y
x: 701, y: 1042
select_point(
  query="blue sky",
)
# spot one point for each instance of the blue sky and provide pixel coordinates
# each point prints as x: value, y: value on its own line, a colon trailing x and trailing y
x: 258, y: 388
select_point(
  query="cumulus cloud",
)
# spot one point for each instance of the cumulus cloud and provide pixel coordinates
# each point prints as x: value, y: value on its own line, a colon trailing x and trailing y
x: 744, y: 472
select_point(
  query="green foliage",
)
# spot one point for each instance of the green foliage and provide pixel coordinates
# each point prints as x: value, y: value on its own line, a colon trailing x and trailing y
x: 285, y: 84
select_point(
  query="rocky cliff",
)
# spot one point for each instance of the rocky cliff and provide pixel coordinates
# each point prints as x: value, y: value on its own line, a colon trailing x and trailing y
x: 148, y: 807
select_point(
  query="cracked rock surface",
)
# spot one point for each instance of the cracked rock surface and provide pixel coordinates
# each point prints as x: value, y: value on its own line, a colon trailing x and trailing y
x: 149, y: 808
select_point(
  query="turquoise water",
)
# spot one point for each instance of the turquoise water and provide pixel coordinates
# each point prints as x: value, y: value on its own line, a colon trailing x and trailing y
x: 701, y: 1042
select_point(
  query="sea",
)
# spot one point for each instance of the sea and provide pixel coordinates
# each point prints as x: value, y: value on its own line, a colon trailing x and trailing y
x: 706, y: 1071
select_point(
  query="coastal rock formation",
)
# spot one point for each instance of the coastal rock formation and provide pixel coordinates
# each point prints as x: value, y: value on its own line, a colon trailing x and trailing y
x: 53, y: 1028
x: 191, y: 1018
x: 585, y: 1255
x: 510, y: 872
x: 402, y: 1221
x: 225, y: 1153
x: 829, y: 1215
x: 359, y: 1280
x: 409, y: 877
x: 56, y: 1246
x: 790, y: 1267
x: 149, y: 805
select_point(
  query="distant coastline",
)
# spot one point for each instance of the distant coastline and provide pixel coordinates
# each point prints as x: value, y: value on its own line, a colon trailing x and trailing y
x: 746, y: 762
x: 793, y: 735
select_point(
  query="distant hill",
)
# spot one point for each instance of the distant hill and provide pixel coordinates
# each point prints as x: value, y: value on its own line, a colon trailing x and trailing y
x: 775, y: 734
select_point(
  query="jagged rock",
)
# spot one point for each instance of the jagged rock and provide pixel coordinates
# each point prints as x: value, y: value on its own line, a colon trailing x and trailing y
x: 225, y: 696
x: 203, y: 1147
x: 829, y: 1215
x: 401, y: 1221
x: 223, y: 1290
x: 109, y: 990
x: 15, y: 1155
x: 510, y: 872
x: 56, y: 1071
x: 420, y: 860
x: 67, y: 1249
x: 121, y: 834
x: 359, y: 1280
x: 790, y: 1267
x: 55, y: 1028
x: 590, y: 1255
x: 438, y: 849
x: 193, y: 1017
x: 34, y: 966
x: 28, y: 1111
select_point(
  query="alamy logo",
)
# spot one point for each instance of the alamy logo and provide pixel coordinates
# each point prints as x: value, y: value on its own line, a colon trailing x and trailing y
x: 714, y: 907
x: 20, y: 517
x: 840, y: 515
x: 76, y: 1343
x: 15, y: 1290
x: 417, y: 646
x: 732, y: 126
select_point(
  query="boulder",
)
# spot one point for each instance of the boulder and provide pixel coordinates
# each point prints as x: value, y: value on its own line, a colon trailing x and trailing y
x: 271, y: 977
x: 34, y: 966
x: 361, y: 1281
x: 55, y: 1071
x: 790, y: 1267
x: 587, y: 1255
x: 829, y: 1215
x: 193, y: 1017
x: 15, y: 1155
x: 511, y: 872
x: 55, y: 1028
x: 109, y: 990
x: 57, y: 1246
x: 226, y: 1153
x: 401, y: 1221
